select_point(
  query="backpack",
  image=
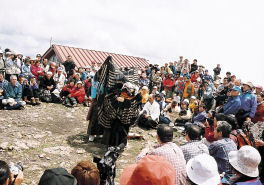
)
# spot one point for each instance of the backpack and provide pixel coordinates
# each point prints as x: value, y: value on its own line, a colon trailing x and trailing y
x: 244, y: 138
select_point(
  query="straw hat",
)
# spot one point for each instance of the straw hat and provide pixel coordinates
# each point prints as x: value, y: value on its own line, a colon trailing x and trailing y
x: 203, y: 170
x: 250, y: 84
x: 245, y: 160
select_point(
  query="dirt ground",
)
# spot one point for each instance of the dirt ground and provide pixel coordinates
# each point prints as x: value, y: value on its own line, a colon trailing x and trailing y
x: 51, y: 135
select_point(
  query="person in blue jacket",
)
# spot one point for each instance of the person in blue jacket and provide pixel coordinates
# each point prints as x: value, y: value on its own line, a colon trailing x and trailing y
x: 233, y: 103
x: 248, y: 104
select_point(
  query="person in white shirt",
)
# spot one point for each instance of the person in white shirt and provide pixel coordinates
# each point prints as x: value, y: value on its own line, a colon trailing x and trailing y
x: 149, y: 116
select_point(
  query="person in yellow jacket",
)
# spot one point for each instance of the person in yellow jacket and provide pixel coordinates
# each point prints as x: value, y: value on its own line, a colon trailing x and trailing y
x: 193, y: 103
x: 188, y: 88
x: 145, y: 94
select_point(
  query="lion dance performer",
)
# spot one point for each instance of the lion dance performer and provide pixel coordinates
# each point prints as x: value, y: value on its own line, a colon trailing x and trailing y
x: 117, y: 103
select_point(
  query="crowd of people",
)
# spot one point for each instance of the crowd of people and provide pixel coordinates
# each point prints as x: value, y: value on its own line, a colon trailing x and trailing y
x: 212, y: 112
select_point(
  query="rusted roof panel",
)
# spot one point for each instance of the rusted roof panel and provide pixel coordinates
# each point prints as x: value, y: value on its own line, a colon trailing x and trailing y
x: 84, y: 57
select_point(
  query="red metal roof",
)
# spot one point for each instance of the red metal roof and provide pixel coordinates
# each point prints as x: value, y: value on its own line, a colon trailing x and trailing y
x: 84, y: 57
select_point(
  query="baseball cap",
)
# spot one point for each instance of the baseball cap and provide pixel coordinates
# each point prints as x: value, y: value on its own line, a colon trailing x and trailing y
x: 236, y: 88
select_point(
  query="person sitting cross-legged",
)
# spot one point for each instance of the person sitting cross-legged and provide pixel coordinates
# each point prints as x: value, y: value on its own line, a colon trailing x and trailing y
x: 169, y: 151
x: 13, y: 94
x: 150, y: 113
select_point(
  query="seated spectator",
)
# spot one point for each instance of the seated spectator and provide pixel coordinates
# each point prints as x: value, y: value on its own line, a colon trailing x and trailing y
x: 87, y: 86
x: 185, y: 114
x: 188, y: 89
x: 82, y: 73
x: 245, y: 164
x: 202, y: 169
x: 76, y: 96
x: 259, y: 115
x: 67, y: 89
x: 172, y: 111
x: 47, y: 85
x: 193, y: 104
x: 3, y: 83
x: 233, y: 103
x: 57, y: 176
x: 86, y: 173
x: 170, y: 151
x: 37, y: 70
x: 161, y: 101
x: 143, y: 173
x: 53, y: 67
x: 202, y: 115
x: 34, y: 91
x: 59, y: 79
x: 221, y: 148
x: 145, y: 94
x: 7, y: 177
x: 150, y: 114
x: 154, y: 90
x: 13, y: 94
x: 144, y: 81
x: 194, y: 146
x: 207, y: 96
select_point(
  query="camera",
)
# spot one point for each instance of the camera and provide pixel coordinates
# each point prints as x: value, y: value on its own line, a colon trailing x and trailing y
x: 15, y: 168
x: 106, y: 165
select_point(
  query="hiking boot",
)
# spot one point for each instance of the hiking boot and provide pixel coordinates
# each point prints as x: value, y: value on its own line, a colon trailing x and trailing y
x: 37, y: 101
x: 68, y: 103
x: 74, y: 102
x: 33, y: 101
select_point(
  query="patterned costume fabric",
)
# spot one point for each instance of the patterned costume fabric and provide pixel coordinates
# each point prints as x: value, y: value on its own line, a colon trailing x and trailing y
x: 109, y: 109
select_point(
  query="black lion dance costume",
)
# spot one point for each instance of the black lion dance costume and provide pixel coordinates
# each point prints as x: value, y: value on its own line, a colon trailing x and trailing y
x: 117, y: 102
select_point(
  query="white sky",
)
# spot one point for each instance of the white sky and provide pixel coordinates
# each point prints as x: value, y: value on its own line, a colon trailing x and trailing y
x: 229, y: 32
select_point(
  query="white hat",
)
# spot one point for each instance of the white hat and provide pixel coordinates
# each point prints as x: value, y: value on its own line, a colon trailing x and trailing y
x: 163, y: 92
x: 203, y: 170
x: 77, y: 74
x: 60, y: 69
x: 155, y: 87
x: 186, y: 100
x: 1, y: 51
x: 144, y: 87
x: 170, y: 73
x: 177, y: 99
x: 49, y: 73
x: 193, y: 97
x: 79, y: 82
x: 245, y: 160
x: 250, y: 84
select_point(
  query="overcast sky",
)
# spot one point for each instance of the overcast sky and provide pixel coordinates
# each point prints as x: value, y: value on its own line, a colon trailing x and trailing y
x: 229, y: 32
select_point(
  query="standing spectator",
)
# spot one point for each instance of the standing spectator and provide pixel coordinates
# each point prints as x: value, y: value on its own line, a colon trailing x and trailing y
x: 259, y: 115
x: 13, y: 94
x: 152, y: 76
x: 69, y: 66
x: 207, y: 77
x: 194, y: 146
x: 2, y: 62
x: 26, y: 69
x: 82, y: 73
x: 157, y: 80
x: 221, y: 148
x: 208, y: 98
x: 195, y: 76
x: 194, y: 66
x: 233, y: 103
x: 217, y: 71
x: 186, y: 66
x: 11, y: 65
x: 169, y: 151
x: 228, y: 76
x: 248, y: 104
x: 172, y: 68
x: 188, y: 89
x: 169, y: 84
x: 144, y: 81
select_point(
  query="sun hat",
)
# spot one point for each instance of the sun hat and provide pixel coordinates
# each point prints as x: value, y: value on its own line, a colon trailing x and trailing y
x: 193, y: 97
x: 144, y: 88
x: 150, y: 170
x: 186, y: 101
x: 259, y: 87
x: 155, y: 87
x: 250, y: 84
x: 163, y: 92
x: 203, y: 170
x: 245, y: 160
x: 57, y: 176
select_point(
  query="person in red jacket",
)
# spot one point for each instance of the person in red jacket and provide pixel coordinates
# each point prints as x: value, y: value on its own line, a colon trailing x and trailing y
x: 37, y: 70
x: 76, y: 96
x: 259, y: 115
x: 195, y: 76
x: 169, y: 84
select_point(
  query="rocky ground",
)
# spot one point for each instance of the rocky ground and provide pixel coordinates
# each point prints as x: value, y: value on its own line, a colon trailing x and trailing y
x: 51, y: 135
